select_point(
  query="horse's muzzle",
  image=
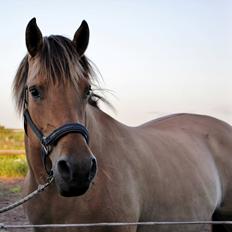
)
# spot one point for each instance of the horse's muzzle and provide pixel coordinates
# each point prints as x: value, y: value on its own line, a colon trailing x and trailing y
x: 73, y: 177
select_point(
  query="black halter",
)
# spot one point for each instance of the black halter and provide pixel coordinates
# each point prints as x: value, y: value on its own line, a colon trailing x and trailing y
x: 47, y: 142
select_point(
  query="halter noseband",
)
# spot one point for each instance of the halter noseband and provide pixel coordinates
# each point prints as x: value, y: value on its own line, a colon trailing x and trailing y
x: 47, y: 142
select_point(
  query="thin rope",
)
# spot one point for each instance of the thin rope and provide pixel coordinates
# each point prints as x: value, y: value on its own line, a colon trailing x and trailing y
x: 40, y: 188
x: 105, y: 224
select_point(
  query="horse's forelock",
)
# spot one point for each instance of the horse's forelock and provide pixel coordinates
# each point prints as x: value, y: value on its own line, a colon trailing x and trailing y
x: 59, y: 61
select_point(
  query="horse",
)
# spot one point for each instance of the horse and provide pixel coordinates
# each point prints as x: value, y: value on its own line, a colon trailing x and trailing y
x: 175, y: 168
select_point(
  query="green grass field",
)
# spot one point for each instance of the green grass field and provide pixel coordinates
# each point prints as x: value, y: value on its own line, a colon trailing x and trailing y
x: 13, y: 165
x: 12, y: 161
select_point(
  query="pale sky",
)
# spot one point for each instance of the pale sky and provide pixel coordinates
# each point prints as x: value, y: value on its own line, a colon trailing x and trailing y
x: 158, y: 57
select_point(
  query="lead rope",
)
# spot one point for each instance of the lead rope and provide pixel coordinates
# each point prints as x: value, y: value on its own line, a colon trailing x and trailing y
x: 39, y: 189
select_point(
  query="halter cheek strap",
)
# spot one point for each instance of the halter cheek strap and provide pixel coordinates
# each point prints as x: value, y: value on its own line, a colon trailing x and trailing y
x: 47, y: 142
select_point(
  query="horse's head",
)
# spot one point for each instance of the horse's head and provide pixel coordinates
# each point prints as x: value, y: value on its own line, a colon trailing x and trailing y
x: 53, y: 87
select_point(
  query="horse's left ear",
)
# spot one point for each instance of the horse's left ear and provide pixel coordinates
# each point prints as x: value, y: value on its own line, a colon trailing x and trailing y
x: 81, y: 38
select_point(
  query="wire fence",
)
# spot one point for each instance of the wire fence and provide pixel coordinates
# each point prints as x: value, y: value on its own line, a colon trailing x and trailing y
x: 4, y: 227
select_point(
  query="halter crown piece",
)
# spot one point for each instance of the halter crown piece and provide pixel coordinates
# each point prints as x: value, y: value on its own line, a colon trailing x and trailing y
x: 47, y: 142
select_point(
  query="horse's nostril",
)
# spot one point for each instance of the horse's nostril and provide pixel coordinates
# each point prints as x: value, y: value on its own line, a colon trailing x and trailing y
x: 77, y: 171
x: 64, y: 169
x: 93, y: 168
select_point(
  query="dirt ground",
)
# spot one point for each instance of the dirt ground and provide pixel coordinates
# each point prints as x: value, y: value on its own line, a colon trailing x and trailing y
x: 10, y: 191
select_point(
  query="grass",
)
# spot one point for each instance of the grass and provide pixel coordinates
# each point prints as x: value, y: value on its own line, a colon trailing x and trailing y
x: 16, y: 189
x: 13, y: 166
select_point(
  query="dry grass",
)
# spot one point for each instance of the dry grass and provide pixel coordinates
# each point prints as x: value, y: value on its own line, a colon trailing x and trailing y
x: 11, y: 139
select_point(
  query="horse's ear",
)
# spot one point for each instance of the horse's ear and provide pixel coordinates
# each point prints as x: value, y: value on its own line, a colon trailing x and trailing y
x: 34, y: 38
x: 81, y: 38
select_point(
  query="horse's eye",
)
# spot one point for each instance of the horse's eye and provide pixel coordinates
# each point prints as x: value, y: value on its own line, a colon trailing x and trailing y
x: 34, y: 92
x: 88, y: 91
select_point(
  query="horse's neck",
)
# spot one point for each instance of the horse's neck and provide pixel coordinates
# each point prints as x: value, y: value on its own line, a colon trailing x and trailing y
x: 103, y: 128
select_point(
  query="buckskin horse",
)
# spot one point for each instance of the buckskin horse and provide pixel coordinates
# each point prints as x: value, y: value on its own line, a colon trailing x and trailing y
x: 176, y: 168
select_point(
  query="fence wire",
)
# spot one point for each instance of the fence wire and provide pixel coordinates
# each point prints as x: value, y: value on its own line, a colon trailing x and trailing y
x: 114, y: 224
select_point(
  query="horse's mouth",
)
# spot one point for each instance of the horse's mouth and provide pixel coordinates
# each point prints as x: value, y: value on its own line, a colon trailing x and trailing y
x: 72, y: 190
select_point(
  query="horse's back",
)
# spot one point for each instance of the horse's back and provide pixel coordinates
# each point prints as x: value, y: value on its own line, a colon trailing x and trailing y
x: 184, y: 120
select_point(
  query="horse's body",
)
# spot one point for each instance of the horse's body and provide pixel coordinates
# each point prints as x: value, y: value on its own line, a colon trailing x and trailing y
x: 172, y: 169
x: 177, y: 168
